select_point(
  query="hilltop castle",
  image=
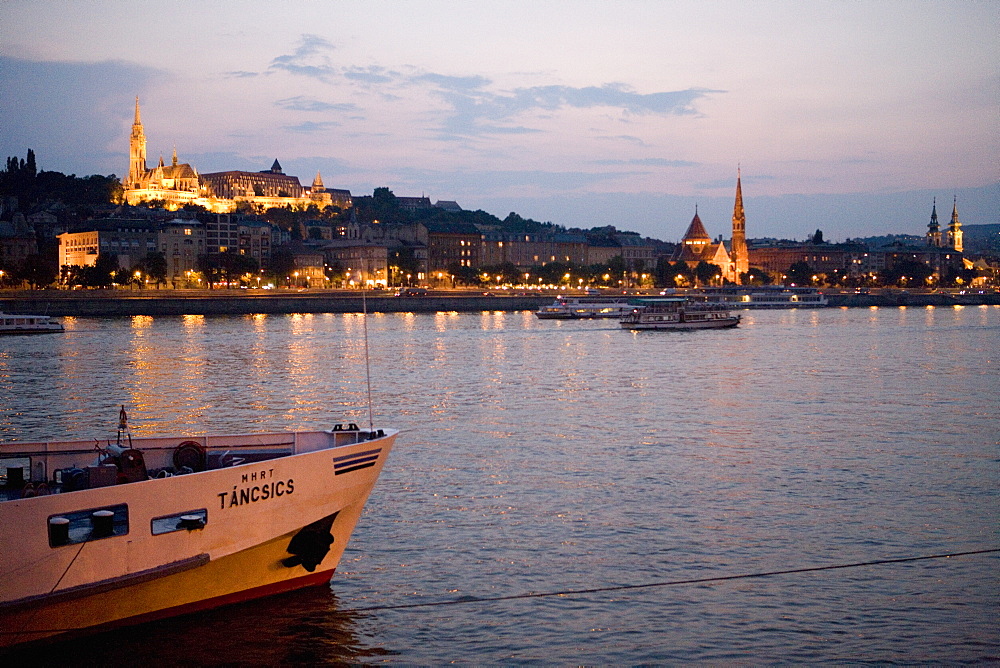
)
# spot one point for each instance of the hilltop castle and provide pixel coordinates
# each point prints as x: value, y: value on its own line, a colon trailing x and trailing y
x: 180, y: 183
x: 697, y: 246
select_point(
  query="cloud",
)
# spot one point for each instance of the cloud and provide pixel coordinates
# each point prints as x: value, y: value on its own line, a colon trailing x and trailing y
x: 46, y: 105
x: 301, y: 103
x: 476, y: 111
x: 309, y: 59
x: 649, y: 162
x: 310, y: 127
x: 372, y: 75
x: 453, y: 83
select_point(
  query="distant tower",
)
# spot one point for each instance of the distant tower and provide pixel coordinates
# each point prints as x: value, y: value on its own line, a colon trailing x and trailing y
x: 955, y: 229
x: 137, y: 152
x: 933, y: 228
x: 738, y: 251
x: 317, y: 186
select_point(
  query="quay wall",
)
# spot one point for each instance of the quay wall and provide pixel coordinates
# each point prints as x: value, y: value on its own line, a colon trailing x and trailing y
x: 114, y: 304
x: 98, y: 303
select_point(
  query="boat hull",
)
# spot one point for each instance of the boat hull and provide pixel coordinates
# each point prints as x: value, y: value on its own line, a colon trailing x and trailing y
x: 683, y: 326
x: 243, y: 551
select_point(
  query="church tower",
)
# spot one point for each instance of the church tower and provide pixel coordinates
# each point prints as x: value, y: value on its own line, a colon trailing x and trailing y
x: 317, y: 186
x: 137, y: 152
x: 738, y: 251
x: 933, y: 228
x: 955, y: 229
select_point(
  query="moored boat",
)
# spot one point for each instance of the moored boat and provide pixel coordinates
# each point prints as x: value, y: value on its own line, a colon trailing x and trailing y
x: 765, y: 297
x: 677, y: 313
x: 97, y: 536
x: 569, y: 308
x: 12, y: 323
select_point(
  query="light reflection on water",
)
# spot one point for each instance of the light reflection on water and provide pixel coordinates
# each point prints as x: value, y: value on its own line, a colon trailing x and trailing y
x: 548, y: 456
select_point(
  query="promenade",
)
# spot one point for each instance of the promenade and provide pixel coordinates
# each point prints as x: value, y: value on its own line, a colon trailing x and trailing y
x: 122, y: 303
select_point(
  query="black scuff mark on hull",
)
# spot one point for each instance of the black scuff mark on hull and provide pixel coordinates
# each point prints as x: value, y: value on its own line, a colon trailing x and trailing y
x: 310, y: 545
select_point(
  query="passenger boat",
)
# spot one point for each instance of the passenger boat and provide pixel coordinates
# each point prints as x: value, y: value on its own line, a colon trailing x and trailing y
x: 677, y: 313
x: 567, y: 308
x: 11, y: 323
x: 764, y: 297
x: 94, y: 536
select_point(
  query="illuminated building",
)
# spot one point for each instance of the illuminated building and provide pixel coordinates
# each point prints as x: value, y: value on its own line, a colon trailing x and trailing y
x: 179, y: 183
x: 934, y: 228
x: 955, y: 230
x: 697, y: 246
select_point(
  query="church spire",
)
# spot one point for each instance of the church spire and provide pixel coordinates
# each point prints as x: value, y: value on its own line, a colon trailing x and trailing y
x: 934, y: 228
x: 738, y: 247
x: 955, y: 229
x: 137, y: 152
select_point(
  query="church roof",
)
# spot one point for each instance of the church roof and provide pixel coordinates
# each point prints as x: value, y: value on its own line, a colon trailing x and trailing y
x: 696, y: 231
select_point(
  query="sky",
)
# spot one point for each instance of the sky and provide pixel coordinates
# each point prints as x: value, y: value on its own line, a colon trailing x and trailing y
x: 847, y: 116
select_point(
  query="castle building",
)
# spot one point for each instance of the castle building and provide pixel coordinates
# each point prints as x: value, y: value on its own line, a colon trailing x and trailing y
x: 179, y: 183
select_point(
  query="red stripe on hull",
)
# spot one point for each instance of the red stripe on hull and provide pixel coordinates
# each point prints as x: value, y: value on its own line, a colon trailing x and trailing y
x: 310, y: 580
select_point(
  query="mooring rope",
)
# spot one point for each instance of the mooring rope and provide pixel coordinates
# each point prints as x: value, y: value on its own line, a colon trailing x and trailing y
x: 667, y: 583
x: 462, y: 600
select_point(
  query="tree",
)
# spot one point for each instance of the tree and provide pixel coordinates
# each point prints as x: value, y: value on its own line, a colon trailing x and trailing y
x: 103, y: 270
x: 403, y: 266
x: 464, y: 275
x: 155, y: 266
x: 706, y: 272
x: 818, y: 237
x: 37, y: 271
x: 234, y: 265
x: 755, y: 276
x: 800, y: 273
x: 907, y: 272
x: 281, y: 264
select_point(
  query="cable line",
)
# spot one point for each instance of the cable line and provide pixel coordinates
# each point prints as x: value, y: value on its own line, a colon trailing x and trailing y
x: 600, y: 590
x: 668, y: 583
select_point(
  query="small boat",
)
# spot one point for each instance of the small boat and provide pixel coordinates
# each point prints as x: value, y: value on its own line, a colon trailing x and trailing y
x: 568, y: 308
x: 765, y: 297
x: 95, y: 536
x: 677, y: 313
x: 11, y: 323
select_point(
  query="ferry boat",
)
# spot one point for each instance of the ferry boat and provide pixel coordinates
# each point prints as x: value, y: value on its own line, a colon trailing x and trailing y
x: 567, y: 308
x: 677, y: 313
x: 97, y: 536
x: 765, y: 297
x: 28, y: 324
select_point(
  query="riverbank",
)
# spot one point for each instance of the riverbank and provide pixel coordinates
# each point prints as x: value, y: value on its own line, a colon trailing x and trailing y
x: 96, y: 303
x: 108, y: 303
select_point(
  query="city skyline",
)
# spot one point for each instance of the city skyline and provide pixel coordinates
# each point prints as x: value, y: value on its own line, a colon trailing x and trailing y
x: 845, y: 117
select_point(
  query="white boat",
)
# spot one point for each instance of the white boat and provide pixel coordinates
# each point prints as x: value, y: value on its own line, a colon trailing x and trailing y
x: 11, y: 323
x: 566, y: 308
x: 765, y: 297
x: 96, y: 536
x: 677, y: 313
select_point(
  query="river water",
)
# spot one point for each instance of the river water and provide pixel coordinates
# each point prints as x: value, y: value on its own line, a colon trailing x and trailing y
x: 542, y: 457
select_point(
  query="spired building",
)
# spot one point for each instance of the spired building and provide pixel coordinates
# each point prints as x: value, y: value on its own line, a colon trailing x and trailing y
x: 178, y: 184
x: 954, y: 238
x: 697, y: 246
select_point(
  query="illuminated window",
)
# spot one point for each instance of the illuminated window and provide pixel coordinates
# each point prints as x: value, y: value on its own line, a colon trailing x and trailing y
x: 187, y: 231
